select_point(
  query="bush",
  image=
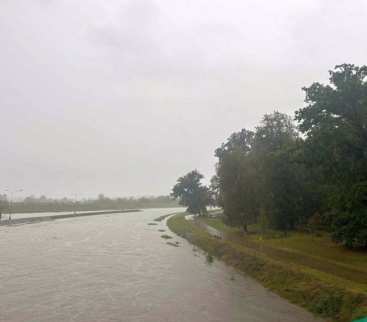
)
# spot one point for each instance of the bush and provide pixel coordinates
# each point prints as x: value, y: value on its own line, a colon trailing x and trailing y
x: 350, y: 229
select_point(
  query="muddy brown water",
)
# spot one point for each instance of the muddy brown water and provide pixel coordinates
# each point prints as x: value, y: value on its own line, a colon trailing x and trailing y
x: 118, y: 268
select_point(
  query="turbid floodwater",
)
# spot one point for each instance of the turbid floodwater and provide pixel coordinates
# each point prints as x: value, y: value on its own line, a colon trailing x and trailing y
x: 118, y: 268
x: 46, y: 214
x: 36, y: 218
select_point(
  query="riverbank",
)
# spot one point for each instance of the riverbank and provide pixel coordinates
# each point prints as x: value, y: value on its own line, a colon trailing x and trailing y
x: 339, y: 294
x: 32, y: 220
x: 117, y: 268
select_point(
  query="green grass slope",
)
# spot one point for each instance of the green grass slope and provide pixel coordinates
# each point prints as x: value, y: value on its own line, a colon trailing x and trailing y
x: 307, y: 270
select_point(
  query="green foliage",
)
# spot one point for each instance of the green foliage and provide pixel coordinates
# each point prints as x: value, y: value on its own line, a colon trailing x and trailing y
x: 191, y: 193
x: 264, y: 222
x: 350, y: 228
x: 237, y: 178
x: 334, y: 122
x: 261, y: 172
x: 290, y: 176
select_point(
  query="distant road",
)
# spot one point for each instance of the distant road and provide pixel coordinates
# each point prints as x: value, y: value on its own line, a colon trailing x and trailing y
x: 31, y: 220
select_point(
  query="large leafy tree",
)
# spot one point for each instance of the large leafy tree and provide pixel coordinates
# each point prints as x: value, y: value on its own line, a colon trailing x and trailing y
x: 275, y: 132
x: 289, y: 190
x: 215, y: 191
x: 236, y: 176
x: 260, y: 174
x: 334, y: 122
x: 191, y: 193
x: 284, y: 190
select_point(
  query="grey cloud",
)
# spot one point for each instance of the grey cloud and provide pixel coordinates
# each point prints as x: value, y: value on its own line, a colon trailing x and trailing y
x: 123, y: 96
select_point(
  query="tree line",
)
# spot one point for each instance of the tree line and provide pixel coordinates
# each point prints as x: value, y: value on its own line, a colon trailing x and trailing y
x: 307, y: 171
x: 44, y: 204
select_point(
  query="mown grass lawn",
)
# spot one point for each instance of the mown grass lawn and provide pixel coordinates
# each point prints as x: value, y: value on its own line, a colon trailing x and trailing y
x: 311, y: 271
x: 318, y: 252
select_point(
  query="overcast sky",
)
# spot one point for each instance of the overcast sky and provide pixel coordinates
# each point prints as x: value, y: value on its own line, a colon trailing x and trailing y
x: 123, y: 96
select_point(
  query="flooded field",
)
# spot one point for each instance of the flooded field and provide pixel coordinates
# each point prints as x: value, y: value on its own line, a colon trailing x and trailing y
x: 118, y: 268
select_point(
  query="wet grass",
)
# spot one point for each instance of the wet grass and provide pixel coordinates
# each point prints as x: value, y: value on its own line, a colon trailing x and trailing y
x: 161, y: 218
x: 217, y: 224
x: 316, y: 252
x: 322, y: 290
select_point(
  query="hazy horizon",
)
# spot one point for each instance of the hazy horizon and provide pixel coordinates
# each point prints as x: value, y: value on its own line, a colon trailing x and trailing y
x: 123, y: 97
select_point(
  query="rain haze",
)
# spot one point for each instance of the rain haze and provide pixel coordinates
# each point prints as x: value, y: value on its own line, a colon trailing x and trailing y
x: 122, y: 97
x: 183, y: 161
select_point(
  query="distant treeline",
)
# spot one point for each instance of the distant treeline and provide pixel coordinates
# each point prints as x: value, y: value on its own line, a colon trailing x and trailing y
x: 310, y: 174
x: 44, y: 204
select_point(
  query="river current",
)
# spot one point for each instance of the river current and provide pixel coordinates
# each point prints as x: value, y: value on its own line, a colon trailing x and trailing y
x: 118, y: 268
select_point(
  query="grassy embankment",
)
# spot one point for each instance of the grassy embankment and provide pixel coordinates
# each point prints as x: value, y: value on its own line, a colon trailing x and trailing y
x: 308, y: 270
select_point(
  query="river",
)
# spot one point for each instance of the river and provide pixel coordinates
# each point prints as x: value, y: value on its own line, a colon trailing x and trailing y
x: 118, y: 268
x: 46, y: 214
